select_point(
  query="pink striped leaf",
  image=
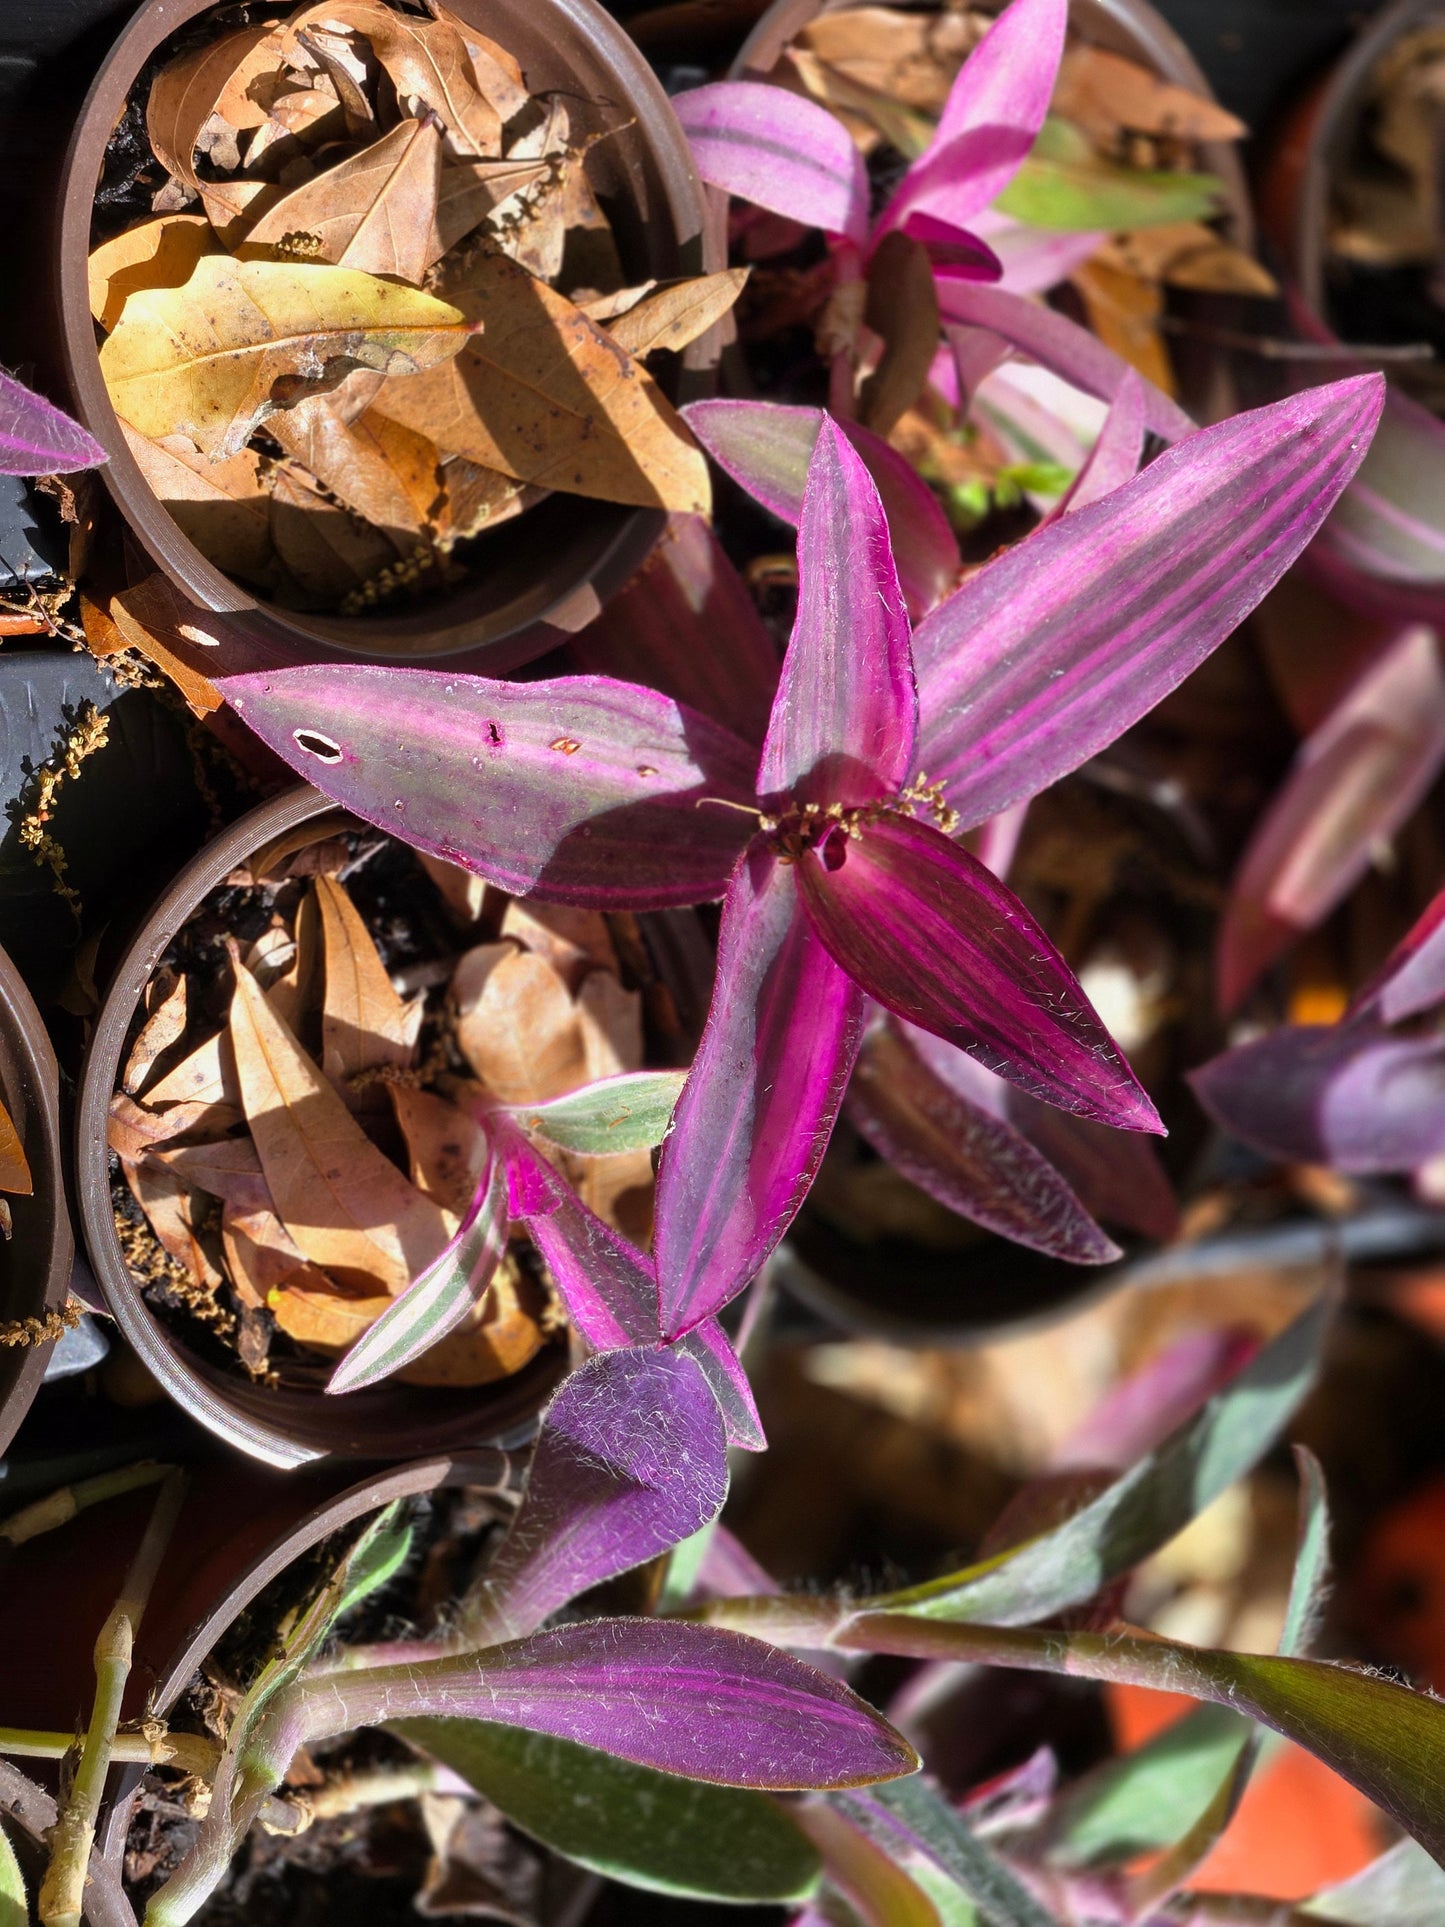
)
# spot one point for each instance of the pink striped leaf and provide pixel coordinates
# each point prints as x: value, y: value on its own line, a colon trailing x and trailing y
x: 953, y: 252
x: 586, y: 790
x: 938, y: 940
x: 36, y: 438
x: 1114, y: 459
x: 709, y: 1346
x: 778, y: 150
x: 1055, y: 648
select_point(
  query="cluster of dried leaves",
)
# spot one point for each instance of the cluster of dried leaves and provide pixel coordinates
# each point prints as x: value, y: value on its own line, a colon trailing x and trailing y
x: 1118, y: 157
x: 297, y: 1163
x: 15, y: 1176
x: 341, y: 348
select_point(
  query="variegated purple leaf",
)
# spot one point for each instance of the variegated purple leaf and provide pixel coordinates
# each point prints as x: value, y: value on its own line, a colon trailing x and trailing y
x: 1353, y: 785
x: 761, y: 1100
x: 937, y: 939
x: 965, y: 1157
x: 708, y: 1704
x: 437, y: 1299
x: 36, y: 438
x: 631, y: 1460
x: 1412, y: 977
x: 606, y: 1283
x: 953, y: 252
x: 970, y: 358
x: 1348, y: 1095
x: 1114, y: 458
x: 778, y: 150
x: 709, y: 1346
x: 585, y: 790
x: 686, y: 624
x: 1065, y: 640
x: 766, y: 448
x: 846, y: 711
x: 1059, y: 344
x: 994, y: 109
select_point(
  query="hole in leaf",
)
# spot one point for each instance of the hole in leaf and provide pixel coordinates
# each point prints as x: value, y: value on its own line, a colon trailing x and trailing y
x: 313, y: 743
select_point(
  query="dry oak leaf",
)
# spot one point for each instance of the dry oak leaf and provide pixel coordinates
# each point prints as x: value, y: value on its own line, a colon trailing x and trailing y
x: 214, y: 79
x: 15, y: 1174
x: 364, y: 1023
x: 347, y: 1206
x: 329, y: 551
x: 132, y: 1130
x: 260, y: 1253
x: 547, y: 396
x: 1103, y: 94
x: 516, y: 1024
x: 203, y: 360
x: 385, y: 473
x: 157, y: 254
x: 473, y: 190
x: 499, y: 1336
x: 162, y: 626
x: 206, y: 1075
x: 674, y: 315
x: 427, y: 62
x: 229, y: 1169
x: 307, y: 118
x: 498, y: 73
x: 167, y: 1205
x: 165, y: 1024
x: 223, y: 507
x: 446, y: 1146
x: 375, y: 210
x: 314, y: 1310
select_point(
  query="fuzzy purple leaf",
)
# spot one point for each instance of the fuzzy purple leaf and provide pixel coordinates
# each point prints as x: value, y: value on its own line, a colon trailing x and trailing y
x: 761, y: 1100
x: 606, y: 1283
x: 938, y: 940
x: 994, y: 109
x: 965, y: 1157
x: 36, y: 438
x: 1349, y: 1095
x: 778, y: 150
x: 1354, y: 783
x: 438, y: 1298
x: 582, y: 789
x: 1060, y: 345
x: 1059, y: 645
x: 695, y: 1700
x: 1412, y: 977
x: 631, y: 1460
x: 766, y: 448
x: 712, y: 1350
x: 846, y: 711
x: 952, y: 251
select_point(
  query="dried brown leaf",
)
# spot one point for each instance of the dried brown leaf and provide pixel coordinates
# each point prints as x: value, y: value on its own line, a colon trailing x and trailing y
x: 385, y: 473
x: 298, y: 122
x: 329, y: 551
x: 157, y: 254
x: 156, y: 620
x: 1124, y: 312
x: 1189, y: 255
x: 910, y: 57
x: 223, y: 507
x: 132, y: 1130
x: 461, y: 892
x: 446, y: 1146
x: 214, y: 79
x: 516, y: 1025
x: 674, y: 315
x: 260, y: 1253
x: 364, y: 1023
x: 167, y: 1205
x: 475, y: 498
x: 497, y: 72
x: 317, y: 1310
x: 229, y: 1169
x: 15, y: 1175
x: 471, y: 191
x: 572, y: 941
x: 610, y: 1019
x: 1104, y: 94
x: 203, y: 360
x: 376, y: 210
x: 499, y: 1337
x: 346, y: 1205
x: 165, y: 1025
x: 545, y: 395
x: 207, y: 1075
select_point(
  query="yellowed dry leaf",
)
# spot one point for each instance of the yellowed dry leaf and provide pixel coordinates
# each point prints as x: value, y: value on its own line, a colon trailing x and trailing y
x: 447, y: 1149
x: 572, y: 941
x: 474, y: 499
x: 1104, y: 94
x: 545, y: 395
x: 214, y: 79
x: 375, y: 211
x: 316, y: 1310
x: 427, y: 62
x: 234, y: 206
x: 223, y: 507
x: 156, y: 620
x: 15, y: 1175
x: 346, y: 1205
x: 674, y: 315
x: 910, y: 57
x: 329, y: 551
x: 165, y: 1025
x: 203, y: 360
x: 1189, y: 254
x: 1124, y: 312
x: 499, y: 1337
x: 516, y: 1025
x: 206, y: 1076
x: 364, y: 1023
x: 869, y: 116
x: 167, y: 1205
x: 260, y: 1253
x: 157, y: 254
x: 385, y: 473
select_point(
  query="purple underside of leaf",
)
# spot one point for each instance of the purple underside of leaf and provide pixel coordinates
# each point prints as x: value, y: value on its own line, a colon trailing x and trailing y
x: 994, y: 109
x: 712, y: 1350
x: 778, y: 150
x: 1034, y: 259
x: 687, y: 625
x: 606, y: 1282
x: 1353, y: 785
x: 1349, y: 1095
x: 1060, y: 345
x: 953, y: 251
x: 938, y: 940
x: 1413, y: 975
x: 584, y: 790
x: 766, y: 448
x: 631, y: 1460
x: 36, y: 438
x: 846, y: 711
x: 761, y: 1099
x: 1114, y: 458
x: 439, y: 1298
x: 1058, y: 646
x: 695, y: 1700
x: 964, y: 1156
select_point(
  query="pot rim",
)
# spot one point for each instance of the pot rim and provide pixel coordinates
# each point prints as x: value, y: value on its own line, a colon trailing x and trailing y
x: 540, y: 613
x: 37, y: 1103
x: 211, y: 1395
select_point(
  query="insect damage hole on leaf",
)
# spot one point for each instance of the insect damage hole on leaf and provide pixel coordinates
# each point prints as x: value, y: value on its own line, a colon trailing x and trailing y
x: 313, y: 743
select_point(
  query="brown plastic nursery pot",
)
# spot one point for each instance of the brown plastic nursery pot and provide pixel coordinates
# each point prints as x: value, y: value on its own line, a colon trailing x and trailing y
x: 283, y: 1427
x: 558, y: 562
x: 35, y: 1263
